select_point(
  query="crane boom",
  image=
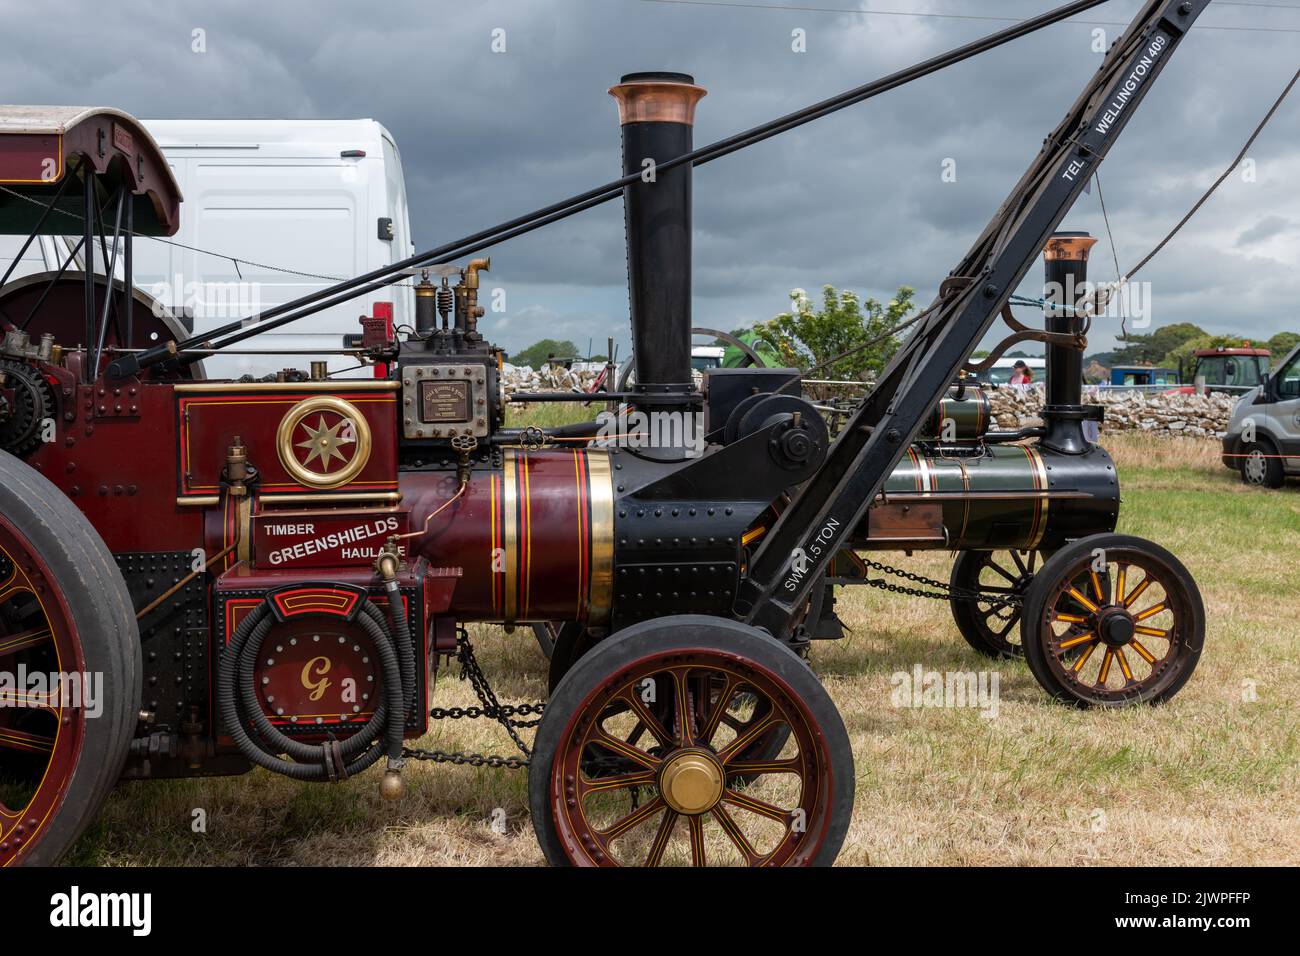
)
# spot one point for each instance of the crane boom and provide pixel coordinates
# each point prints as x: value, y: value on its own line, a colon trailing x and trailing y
x: 798, y: 549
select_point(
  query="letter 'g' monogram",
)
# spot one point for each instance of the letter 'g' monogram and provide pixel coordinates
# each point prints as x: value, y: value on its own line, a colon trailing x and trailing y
x: 320, y: 666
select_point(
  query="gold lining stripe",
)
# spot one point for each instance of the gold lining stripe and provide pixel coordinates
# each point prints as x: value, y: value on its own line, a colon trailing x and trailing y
x: 335, y: 385
x: 600, y: 591
x: 244, y: 528
x: 510, y: 528
x: 966, y: 502
x: 389, y: 497
x: 1042, y: 502
x: 495, y: 579
x: 527, y: 516
x: 581, y: 499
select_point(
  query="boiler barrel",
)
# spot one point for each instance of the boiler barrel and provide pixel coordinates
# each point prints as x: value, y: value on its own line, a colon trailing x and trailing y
x: 532, y: 540
x: 1005, y: 496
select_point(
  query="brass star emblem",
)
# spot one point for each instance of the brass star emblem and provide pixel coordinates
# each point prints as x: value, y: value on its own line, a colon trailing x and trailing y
x: 323, y: 442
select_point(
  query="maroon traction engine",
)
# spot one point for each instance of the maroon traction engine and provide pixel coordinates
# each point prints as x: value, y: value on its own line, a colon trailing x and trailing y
x: 201, y: 577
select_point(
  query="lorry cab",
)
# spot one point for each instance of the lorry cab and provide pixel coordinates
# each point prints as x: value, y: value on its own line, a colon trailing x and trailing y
x: 1230, y: 370
x: 1263, y: 437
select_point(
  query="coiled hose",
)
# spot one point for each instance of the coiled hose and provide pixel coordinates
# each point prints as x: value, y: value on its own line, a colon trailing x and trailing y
x: 334, y: 760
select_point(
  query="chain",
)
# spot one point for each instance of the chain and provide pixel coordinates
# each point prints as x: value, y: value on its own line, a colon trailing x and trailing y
x: 505, y: 714
x: 462, y: 759
x: 946, y: 592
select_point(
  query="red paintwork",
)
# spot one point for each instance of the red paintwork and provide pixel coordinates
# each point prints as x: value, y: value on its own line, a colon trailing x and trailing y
x: 211, y: 421
x: 1207, y: 353
x: 120, y: 469
x: 553, y: 546
x: 115, y: 146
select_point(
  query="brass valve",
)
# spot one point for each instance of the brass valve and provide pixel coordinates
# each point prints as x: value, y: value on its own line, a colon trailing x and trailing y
x: 237, y: 470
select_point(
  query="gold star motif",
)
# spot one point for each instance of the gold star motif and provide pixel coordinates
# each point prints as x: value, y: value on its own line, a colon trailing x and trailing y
x: 324, y: 442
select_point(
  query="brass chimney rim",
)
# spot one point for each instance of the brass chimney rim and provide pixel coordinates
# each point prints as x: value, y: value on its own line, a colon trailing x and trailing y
x: 1068, y: 245
x: 657, y: 98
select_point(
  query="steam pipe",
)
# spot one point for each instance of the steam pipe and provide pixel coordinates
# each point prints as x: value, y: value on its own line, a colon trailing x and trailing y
x: 378, y: 278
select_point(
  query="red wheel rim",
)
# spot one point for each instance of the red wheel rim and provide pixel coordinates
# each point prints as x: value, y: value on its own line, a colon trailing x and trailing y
x: 40, y: 735
x: 780, y: 818
x: 1117, y: 634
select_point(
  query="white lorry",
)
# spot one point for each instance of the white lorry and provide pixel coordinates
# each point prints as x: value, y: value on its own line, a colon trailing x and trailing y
x: 272, y: 210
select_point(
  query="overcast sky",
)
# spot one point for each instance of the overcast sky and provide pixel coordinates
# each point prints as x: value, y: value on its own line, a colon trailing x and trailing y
x: 856, y: 200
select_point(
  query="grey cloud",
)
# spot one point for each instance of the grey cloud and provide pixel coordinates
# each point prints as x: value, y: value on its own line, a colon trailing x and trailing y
x: 854, y: 200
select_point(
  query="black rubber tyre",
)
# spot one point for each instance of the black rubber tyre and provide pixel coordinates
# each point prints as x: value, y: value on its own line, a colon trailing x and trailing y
x: 1117, y: 612
x: 572, y: 640
x: 692, y: 643
x: 1260, y: 465
x: 96, y: 621
x: 991, y: 630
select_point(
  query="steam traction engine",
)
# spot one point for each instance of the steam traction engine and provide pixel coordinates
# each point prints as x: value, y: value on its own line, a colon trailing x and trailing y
x: 266, y: 573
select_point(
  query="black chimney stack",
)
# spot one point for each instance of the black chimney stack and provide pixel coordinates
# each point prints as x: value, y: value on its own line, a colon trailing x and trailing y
x: 1066, y: 266
x: 657, y: 113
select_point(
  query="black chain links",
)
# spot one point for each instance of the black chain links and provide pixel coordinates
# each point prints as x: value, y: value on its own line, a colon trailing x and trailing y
x: 505, y: 714
x: 509, y: 715
x: 946, y: 592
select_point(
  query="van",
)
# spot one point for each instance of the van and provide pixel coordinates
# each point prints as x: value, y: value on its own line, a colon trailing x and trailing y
x: 1262, y: 441
x: 272, y: 210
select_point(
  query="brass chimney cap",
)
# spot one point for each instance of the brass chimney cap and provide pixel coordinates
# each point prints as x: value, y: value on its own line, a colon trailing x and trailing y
x: 1068, y: 245
x: 657, y: 98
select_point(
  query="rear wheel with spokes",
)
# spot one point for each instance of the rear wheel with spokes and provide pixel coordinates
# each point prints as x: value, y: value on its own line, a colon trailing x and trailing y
x: 70, y: 649
x: 617, y: 780
x: 990, y: 627
x: 1112, y: 620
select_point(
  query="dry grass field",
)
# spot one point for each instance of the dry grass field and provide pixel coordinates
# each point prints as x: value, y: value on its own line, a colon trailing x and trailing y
x: 1210, y: 778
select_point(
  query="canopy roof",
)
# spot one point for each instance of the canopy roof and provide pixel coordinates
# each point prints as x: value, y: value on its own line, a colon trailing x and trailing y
x: 40, y: 146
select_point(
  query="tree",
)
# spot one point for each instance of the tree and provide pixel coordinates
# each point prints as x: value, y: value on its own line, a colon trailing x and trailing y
x: 1282, y: 343
x: 804, y: 337
x: 536, y: 354
x: 1153, y: 347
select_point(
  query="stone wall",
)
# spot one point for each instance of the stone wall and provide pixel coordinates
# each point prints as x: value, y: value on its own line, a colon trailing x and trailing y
x: 1154, y: 412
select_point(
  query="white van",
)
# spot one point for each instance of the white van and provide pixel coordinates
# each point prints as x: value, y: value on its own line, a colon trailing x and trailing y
x: 279, y: 208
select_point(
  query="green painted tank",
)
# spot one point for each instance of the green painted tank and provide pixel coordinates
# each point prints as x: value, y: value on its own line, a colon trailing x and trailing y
x: 993, y: 496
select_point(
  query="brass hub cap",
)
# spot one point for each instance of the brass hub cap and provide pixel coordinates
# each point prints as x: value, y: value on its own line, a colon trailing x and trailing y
x: 691, y: 781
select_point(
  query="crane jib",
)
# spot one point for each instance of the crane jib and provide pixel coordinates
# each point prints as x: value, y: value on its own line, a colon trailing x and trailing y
x: 879, y: 432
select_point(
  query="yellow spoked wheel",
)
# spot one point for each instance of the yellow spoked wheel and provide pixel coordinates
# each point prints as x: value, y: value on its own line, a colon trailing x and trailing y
x: 1112, y: 620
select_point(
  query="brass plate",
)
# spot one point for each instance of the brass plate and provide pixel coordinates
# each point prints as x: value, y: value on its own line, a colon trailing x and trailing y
x: 323, y: 442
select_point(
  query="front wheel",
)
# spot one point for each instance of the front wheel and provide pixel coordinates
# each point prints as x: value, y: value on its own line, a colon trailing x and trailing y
x: 614, y: 783
x: 1113, y: 620
x: 1261, y: 465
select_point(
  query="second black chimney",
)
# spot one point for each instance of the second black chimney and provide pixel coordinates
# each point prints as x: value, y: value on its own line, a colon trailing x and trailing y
x: 1065, y: 290
x: 657, y: 113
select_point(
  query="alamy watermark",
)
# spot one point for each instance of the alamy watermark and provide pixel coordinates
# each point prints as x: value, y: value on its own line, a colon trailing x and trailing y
x: 627, y: 428
x: 27, y: 689
x: 976, y: 690
x: 207, y: 300
x: 1130, y: 301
